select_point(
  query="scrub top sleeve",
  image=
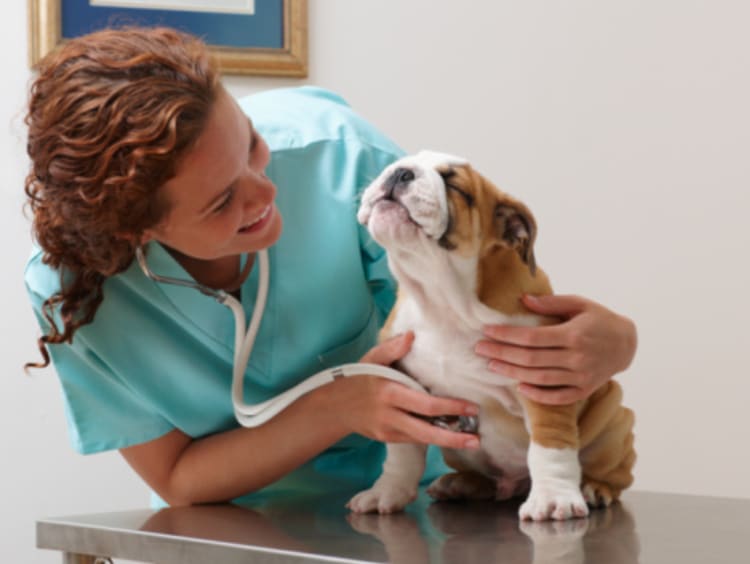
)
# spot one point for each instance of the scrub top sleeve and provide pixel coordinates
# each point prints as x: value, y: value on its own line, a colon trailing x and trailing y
x: 102, y: 412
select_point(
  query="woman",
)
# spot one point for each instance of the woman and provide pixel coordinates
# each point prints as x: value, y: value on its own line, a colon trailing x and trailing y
x: 135, y: 143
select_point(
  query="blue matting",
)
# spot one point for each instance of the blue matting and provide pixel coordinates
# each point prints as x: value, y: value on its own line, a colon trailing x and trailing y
x: 265, y: 28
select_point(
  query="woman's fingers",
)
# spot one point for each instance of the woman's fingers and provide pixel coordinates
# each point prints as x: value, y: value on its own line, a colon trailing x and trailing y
x: 524, y: 356
x: 412, y: 429
x: 536, y: 376
x: 388, y: 352
x: 553, y: 396
x: 550, y: 386
x: 556, y: 305
x: 404, y: 410
x: 422, y: 403
x: 548, y: 336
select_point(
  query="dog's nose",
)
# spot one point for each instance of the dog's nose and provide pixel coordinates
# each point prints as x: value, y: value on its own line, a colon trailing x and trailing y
x: 397, y: 182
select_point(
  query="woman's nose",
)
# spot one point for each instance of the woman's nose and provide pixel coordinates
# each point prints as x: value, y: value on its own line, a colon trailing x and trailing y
x: 252, y: 184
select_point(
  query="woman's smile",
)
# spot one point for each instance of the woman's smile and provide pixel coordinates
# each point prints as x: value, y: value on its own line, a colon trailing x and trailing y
x: 259, y: 223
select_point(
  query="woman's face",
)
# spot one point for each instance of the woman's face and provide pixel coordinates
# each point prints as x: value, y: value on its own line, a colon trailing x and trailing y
x: 220, y: 202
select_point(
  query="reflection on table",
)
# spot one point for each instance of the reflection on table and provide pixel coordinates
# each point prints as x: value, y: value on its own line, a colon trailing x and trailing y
x: 469, y: 533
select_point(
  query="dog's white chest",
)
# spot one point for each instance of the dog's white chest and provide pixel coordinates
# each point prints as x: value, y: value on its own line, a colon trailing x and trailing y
x: 443, y: 360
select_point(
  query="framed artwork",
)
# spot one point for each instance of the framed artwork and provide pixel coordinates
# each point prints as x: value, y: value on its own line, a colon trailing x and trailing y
x: 261, y: 37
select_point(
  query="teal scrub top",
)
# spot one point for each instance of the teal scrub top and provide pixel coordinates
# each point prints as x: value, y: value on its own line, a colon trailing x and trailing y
x: 159, y: 357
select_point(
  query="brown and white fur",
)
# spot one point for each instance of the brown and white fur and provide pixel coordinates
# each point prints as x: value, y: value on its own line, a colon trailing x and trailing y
x: 462, y: 252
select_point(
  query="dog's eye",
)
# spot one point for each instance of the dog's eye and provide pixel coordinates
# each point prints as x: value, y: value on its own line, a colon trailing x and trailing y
x: 468, y: 198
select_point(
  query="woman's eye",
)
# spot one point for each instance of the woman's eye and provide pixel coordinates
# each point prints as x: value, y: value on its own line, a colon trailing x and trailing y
x: 253, y: 144
x: 225, y: 202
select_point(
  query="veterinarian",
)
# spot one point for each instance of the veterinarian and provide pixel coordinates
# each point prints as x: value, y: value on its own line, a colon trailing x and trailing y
x: 134, y: 144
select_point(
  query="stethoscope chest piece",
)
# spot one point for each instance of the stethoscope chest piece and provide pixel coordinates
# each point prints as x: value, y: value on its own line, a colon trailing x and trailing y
x: 457, y: 423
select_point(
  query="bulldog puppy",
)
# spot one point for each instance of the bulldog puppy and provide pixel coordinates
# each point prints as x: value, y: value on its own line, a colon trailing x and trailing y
x: 463, y: 254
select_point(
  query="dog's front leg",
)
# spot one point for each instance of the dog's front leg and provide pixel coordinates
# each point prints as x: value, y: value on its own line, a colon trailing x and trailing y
x: 553, y: 463
x: 397, y: 486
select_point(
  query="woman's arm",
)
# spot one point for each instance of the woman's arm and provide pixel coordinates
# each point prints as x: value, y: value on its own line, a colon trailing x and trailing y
x: 560, y: 364
x: 227, y: 465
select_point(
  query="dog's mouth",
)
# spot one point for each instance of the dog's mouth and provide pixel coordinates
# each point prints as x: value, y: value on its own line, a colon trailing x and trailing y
x: 405, y: 204
x: 387, y: 205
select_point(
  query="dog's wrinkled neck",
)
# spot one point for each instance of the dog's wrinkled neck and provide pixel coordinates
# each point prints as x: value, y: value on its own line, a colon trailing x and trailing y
x: 442, y: 285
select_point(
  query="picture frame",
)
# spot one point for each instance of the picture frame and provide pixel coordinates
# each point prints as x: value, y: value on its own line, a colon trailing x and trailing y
x: 249, y: 37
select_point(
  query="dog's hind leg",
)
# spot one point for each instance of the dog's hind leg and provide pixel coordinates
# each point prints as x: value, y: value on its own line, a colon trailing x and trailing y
x: 608, y: 462
x: 462, y: 485
x: 601, y: 492
x: 607, y: 454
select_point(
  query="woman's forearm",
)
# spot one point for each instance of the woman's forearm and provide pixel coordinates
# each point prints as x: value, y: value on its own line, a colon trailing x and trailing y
x: 232, y: 463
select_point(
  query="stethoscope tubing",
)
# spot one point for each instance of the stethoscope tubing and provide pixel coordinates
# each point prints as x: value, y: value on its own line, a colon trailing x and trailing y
x: 254, y: 415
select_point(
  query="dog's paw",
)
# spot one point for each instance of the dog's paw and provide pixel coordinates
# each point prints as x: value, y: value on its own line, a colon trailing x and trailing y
x: 553, y: 503
x: 597, y: 494
x: 382, y: 498
x: 461, y: 485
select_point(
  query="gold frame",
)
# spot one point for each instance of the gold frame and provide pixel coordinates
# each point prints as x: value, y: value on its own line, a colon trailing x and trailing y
x: 45, y: 33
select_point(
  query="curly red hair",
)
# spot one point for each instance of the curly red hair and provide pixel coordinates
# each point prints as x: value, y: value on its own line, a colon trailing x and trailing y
x: 110, y: 114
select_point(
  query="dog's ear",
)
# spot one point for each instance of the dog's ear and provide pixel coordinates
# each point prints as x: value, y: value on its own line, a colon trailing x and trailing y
x: 515, y: 228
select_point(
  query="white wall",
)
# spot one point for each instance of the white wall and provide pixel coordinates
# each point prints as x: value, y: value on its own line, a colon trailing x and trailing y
x: 625, y: 126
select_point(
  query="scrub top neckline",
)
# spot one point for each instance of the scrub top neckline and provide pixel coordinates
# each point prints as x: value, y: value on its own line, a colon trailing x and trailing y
x: 203, y: 312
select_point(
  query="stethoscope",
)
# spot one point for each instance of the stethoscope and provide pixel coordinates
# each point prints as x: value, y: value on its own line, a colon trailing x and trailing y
x: 257, y: 414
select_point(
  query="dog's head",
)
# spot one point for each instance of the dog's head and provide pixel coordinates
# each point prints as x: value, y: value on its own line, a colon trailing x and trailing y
x: 430, y: 202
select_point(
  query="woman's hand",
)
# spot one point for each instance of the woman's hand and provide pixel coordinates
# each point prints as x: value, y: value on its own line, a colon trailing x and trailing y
x: 385, y: 410
x: 560, y: 364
